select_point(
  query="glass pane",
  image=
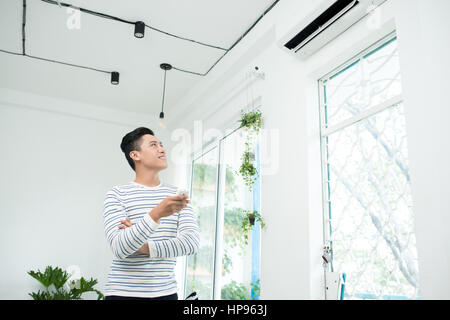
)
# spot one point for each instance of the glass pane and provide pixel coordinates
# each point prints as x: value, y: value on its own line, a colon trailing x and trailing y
x: 236, y: 269
x: 372, y: 221
x: 370, y: 210
x: 369, y: 81
x: 200, y: 266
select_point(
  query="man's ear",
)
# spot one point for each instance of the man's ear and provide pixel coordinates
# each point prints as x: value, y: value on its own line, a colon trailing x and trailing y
x: 135, y: 155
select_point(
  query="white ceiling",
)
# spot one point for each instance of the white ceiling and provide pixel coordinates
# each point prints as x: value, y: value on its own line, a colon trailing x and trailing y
x: 111, y: 45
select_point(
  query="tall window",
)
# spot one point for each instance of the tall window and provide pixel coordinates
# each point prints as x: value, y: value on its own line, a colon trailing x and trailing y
x: 226, y: 265
x: 235, y: 271
x: 200, y: 266
x: 369, y: 222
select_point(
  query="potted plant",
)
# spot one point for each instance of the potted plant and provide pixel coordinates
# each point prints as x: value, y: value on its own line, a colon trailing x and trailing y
x: 61, y: 285
x: 251, y: 122
x: 248, y: 170
x: 248, y: 221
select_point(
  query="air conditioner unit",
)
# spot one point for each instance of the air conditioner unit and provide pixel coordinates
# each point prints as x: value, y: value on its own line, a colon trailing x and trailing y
x: 326, y: 23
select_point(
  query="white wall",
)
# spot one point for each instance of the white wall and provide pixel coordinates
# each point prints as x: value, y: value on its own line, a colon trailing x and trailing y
x: 59, y: 158
x: 424, y: 57
x: 291, y: 195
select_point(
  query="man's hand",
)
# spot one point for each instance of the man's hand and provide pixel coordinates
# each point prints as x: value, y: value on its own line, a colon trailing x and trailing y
x: 165, y: 208
x: 126, y: 224
x: 169, y: 206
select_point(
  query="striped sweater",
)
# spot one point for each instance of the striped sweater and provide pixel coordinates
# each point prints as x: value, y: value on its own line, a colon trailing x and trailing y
x: 137, y: 275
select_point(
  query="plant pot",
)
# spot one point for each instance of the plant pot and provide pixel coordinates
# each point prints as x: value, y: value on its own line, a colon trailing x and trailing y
x: 251, y: 219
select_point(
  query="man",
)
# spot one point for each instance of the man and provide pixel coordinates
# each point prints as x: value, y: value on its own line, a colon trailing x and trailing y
x: 147, y: 225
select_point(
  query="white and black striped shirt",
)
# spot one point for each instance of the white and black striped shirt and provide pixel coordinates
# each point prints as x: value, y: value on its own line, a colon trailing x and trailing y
x: 138, y: 275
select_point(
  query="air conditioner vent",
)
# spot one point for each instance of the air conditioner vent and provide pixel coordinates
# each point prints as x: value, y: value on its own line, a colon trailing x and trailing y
x: 313, y: 33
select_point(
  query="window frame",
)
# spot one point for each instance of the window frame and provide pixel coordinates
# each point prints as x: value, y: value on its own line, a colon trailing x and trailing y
x: 326, y: 130
x: 219, y: 219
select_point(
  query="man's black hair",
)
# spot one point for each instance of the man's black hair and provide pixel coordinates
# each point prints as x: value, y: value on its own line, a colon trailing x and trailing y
x: 131, y: 141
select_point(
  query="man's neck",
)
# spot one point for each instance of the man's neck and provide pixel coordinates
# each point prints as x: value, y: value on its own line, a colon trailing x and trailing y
x: 149, y: 179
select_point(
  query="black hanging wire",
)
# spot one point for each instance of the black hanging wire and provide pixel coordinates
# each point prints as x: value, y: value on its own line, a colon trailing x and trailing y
x: 165, y: 67
x: 24, y: 19
x: 234, y: 44
x: 161, y: 115
x: 24, y: 54
x: 103, y: 15
x: 107, y: 16
x: 186, y: 39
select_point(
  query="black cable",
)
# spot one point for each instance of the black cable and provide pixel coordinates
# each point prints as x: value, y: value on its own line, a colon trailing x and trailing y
x: 10, y: 52
x: 66, y: 63
x: 233, y: 45
x: 24, y: 54
x: 182, y: 38
x: 54, y: 61
x: 107, y: 16
x: 187, y: 71
x: 95, y: 13
x: 24, y: 19
x: 102, y: 15
x: 164, y: 91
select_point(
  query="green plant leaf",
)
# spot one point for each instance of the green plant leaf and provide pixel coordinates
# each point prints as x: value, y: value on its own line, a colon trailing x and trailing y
x: 53, y: 280
x: 55, y: 276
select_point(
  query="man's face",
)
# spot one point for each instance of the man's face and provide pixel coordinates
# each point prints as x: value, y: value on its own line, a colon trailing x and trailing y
x: 151, y: 154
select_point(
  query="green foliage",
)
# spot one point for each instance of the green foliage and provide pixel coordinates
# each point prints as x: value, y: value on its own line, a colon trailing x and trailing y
x: 235, y: 291
x: 57, y: 287
x: 252, y: 121
x: 246, y: 225
x: 227, y: 263
x: 55, y: 276
x: 239, y: 291
x: 232, y: 221
x: 256, y: 289
x: 205, y: 175
x: 247, y: 169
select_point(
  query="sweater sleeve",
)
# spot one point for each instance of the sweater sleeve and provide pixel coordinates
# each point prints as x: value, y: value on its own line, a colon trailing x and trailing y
x: 124, y: 242
x: 186, y: 242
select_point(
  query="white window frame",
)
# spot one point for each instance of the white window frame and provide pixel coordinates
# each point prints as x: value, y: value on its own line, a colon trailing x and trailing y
x: 326, y: 130
x: 219, y: 211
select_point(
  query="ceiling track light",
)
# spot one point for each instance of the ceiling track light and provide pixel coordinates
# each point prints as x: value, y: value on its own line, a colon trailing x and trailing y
x: 165, y: 67
x: 139, y: 29
x: 139, y: 32
x: 115, y: 78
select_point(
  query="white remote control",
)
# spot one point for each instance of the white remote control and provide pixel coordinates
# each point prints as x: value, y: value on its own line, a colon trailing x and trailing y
x: 182, y: 192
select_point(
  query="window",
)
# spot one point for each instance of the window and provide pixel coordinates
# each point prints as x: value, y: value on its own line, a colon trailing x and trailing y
x: 200, y: 266
x: 225, y: 267
x: 235, y: 276
x: 369, y: 222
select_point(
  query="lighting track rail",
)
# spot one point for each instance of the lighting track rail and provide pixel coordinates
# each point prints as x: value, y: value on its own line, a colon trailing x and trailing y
x: 139, y: 32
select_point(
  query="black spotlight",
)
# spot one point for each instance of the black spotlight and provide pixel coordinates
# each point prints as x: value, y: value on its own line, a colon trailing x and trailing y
x: 161, y: 115
x: 114, y: 77
x: 139, y: 28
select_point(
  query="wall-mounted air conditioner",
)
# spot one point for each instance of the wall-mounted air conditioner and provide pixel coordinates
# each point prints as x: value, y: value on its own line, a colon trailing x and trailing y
x: 331, y: 18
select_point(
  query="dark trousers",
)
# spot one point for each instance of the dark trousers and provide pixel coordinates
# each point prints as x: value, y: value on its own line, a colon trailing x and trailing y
x: 169, y: 297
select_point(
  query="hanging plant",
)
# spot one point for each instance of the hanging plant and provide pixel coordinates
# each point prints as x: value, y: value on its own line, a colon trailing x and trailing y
x: 252, y: 123
x: 248, y: 221
x: 248, y: 170
x: 251, y: 120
